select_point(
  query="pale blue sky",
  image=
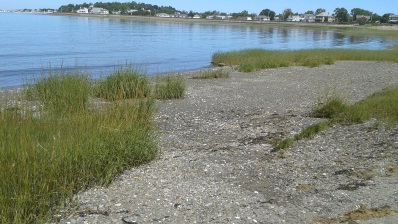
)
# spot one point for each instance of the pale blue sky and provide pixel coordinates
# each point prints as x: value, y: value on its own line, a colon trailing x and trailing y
x: 253, y: 6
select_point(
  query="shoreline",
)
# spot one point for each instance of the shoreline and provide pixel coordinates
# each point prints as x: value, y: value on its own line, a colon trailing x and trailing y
x: 191, y: 20
x: 217, y: 166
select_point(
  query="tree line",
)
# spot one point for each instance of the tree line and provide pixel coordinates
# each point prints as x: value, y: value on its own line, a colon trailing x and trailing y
x: 341, y: 14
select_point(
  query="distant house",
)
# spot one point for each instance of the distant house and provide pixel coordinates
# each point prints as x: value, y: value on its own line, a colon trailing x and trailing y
x: 217, y: 17
x: 99, y: 11
x: 294, y: 18
x: 324, y: 17
x: 393, y: 19
x: 82, y: 10
x: 162, y: 15
x: 244, y: 18
x: 263, y: 18
x: 131, y: 11
x: 196, y: 16
x: 309, y: 18
x: 180, y: 15
x: 363, y: 17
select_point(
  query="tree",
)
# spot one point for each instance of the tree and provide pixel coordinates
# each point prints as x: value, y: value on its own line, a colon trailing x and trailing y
x: 309, y: 12
x: 341, y: 14
x: 385, y: 18
x: 357, y: 11
x: 319, y: 11
x: 268, y: 12
x: 286, y: 13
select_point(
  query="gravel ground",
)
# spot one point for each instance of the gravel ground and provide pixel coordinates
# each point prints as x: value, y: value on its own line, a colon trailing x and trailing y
x: 216, y: 164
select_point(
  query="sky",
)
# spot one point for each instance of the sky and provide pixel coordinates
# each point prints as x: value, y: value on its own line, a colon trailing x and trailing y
x: 229, y: 6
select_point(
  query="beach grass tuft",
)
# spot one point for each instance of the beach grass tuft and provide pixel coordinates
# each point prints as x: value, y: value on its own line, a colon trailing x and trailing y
x: 124, y: 83
x: 169, y: 87
x: 212, y: 74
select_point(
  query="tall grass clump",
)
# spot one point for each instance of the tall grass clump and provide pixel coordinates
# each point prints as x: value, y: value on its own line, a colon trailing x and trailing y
x: 212, y: 74
x: 169, y: 87
x: 331, y: 108
x: 257, y: 59
x: 46, y: 159
x: 124, y: 83
x: 61, y: 92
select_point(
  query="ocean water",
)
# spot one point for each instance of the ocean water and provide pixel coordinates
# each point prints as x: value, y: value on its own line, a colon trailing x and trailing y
x: 33, y: 44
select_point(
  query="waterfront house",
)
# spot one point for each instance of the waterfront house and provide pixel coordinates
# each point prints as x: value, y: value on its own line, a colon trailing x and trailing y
x: 196, y: 16
x: 217, y: 17
x: 294, y: 18
x: 162, y: 15
x: 393, y: 19
x: 262, y: 18
x: 366, y: 18
x: 102, y: 11
x: 82, y: 10
x: 309, y: 18
x: 244, y: 18
x: 180, y: 15
x: 324, y: 17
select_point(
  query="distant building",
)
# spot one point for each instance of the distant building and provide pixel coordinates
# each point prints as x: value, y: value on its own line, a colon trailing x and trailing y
x: 180, y: 15
x: 217, y: 17
x: 196, y: 16
x: 99, y: 11
x: 82, y: 10
x: 363, y: 17
x: 162, y: 15
x: 263, y: 18
x: 294, y: 18
x: 324, y: 17
x: 244, y: 18
x: 309, y: 18
x: 393, y: 19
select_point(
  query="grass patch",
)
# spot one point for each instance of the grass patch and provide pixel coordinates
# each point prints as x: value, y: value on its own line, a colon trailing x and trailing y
x: 382, y: 106
x: 61, y: 92
x: 257, y: 59
x: 46, y: 159
x: 362, y: 213
x: 124, y: 83
x: 169, y: 87
x: 212, y: 74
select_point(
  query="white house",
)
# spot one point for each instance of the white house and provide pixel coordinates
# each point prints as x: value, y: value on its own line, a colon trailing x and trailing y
x: 309, y: 18
x: 393, y: 19
x: 162, y: 15
x: 99, y: 11
x: 196, y: 16
x: 263, y: 18
x: 294, y: 18
x: 324, y: 17
x: 82, y: 10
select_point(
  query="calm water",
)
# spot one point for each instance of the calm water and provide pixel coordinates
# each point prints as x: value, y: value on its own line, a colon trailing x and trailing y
x: 32, y: 43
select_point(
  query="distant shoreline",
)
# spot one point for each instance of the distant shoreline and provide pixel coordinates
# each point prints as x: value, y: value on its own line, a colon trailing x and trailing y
x: 190, y: 20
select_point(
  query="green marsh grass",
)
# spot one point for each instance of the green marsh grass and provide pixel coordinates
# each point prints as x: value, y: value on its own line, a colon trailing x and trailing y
x: 45, y: 159
x: 212, y: 74
x: 257, y: 59
x: 382, y: 105
x: 124, y: 83
x: 169, y: 87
